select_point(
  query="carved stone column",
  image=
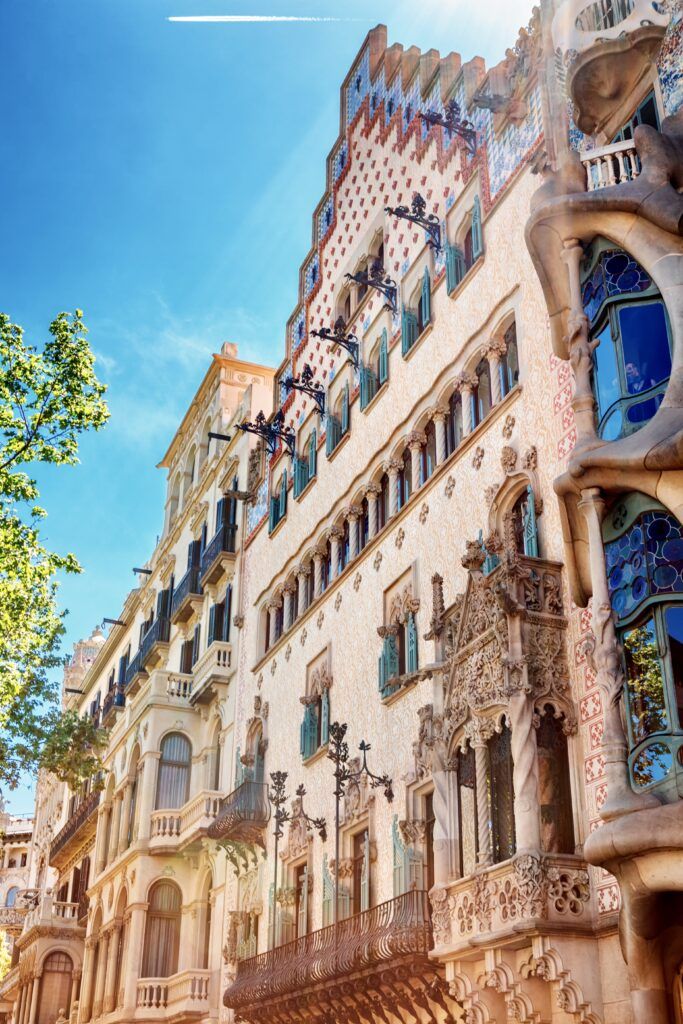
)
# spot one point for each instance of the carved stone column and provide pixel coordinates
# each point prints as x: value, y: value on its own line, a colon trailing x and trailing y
x: 605, y: 657
x: 372, y: 492
x: 392, y: 468
x: 110, y: 980
x: 336, y: 535
x: 273, y: 607
x: 353, y: 514
x: 439, y: 417
x: 494, y: 353
x: 288, y: 590
x: 302, y: 574
x: 466, y: 384
x: 580, y: 349
x: 125, y: 815
x: 318, y: 573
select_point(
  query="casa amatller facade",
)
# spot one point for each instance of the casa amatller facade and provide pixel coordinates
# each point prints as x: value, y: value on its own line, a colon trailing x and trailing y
x: 396, y: 708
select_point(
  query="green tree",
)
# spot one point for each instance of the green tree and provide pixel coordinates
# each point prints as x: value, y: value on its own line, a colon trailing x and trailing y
x: 48, y: 397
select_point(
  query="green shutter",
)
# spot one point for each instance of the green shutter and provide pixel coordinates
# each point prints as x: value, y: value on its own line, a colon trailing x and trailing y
x: 312, y: 454
x: 383, y: 358
x: 426, y: 297
x: 530, y: 529
x: 408, y: 330
x: 411, y: 638
x: 325, y: 717
x: 345, y: 410
x: 477, y: 237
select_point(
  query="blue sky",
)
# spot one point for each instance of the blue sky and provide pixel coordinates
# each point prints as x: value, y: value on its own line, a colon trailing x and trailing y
x: 161, y: 177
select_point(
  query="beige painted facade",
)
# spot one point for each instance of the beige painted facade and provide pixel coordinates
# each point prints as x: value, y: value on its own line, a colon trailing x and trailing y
x: 441, y: 567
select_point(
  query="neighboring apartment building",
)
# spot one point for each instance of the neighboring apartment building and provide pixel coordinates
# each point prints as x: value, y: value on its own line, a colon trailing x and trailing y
x: 124, y: 912
x: 417, y: 578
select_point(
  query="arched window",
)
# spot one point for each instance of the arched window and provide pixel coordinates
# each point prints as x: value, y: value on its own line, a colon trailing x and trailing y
x: 509, y: 364
x: 55, y: 987
x: 644, y: 562
x: 173, y: 785
x: 428, y: 454
x: 467, y: 809
x: 632, y: 361
x: 11, y: 897
x: 383, y: 502
x: 557, y: 827
x: 454, y: 425
x: 501, y: 795
x: 481, y: 395
x: 162, y: 931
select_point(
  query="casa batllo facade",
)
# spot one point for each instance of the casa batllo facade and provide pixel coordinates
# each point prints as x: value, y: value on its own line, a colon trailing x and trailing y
x: 458, y: 535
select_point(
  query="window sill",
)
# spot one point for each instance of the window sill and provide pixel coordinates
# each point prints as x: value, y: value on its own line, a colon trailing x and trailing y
x: 418, y: 341
x: 318, y: 756
x: 342, y: 442
x: 307, y: 487
x: 380, y: 391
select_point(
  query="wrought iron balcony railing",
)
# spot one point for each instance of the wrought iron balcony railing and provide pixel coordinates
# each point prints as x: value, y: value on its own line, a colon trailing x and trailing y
x: 243, y: 815
x: 185, y: 594
x: 222, y: 544
x: 84, y: 815
x: 400, y: 928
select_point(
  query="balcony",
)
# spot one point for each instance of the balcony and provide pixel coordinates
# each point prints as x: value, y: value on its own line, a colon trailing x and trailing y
x: 187, y: 596
x: 218, y: 554
x: 79, y: 828
x: 113, y: 702
x: 181, y: 994
x: 243, y: 815
x: 179, y: 830
x: 212, y: 672
x: 155, y: 643
x: 606, y: 47
x: 363, y: 951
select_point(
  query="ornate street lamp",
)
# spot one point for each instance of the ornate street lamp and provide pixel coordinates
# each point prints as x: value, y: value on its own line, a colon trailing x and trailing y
x: 277, y: 797
x: 338, y: 753
x: 417, y: 214
x: 376, y: 278
x: 454, y: 123
x: 338, y: 336
x: 272, y: 431
x: 307, y: 386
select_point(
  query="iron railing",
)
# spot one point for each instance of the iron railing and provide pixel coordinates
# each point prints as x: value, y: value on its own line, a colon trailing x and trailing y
x: 224, y: 541
x: 387, y: 933
x: 189, y: 586
x: 83, y: 812
x: 243, y: 814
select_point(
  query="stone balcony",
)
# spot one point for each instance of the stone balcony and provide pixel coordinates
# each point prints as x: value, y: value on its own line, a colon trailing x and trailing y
x: 606, y: 47
x: 181, y: 996
x: 369, y: 966
x: 178, y: 830
x: 80, y: 827
x: 212, y: 672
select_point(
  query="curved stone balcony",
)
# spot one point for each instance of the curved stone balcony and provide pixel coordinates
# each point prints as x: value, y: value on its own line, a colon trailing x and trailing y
x: 368, y: 966
x: 606, y: 47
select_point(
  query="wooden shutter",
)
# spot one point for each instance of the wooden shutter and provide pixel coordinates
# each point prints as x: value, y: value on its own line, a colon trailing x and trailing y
x: 312, y: 454
x: 365, y: 875
x: 530, y: 529
x: 411, y: 638
x: 477, y: 237
x: 384, y: 357
x: 426, y: 297
x: 345, y: 410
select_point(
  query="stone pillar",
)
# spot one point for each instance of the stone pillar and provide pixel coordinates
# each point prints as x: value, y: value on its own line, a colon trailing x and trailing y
x: 115, y: 825
x: 100, y: 851
x: 131, y: 965
x: 84, y: 1013
x: 147, y: 792
x: 353, y: 514
x: 33, y: 1005
x: 336, y: 535
x: 110, y: 979
x: 125, y: 815
x: 580, y: 349
x: 302, y: 574
x: 372, y: 492
x: 481, y: 767
x: 605, y: 658
x: 101, y: 974
x: 289, y: 590
x: 392, y: 468
x: 439, y: 416
x: 273, y: 607
x: 318, y: 573
x: 494, y: 353
x: 466, y: 384
x: 416, y: 441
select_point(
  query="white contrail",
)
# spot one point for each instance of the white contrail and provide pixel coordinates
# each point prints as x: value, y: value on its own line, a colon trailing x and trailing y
x: 252, y: 17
